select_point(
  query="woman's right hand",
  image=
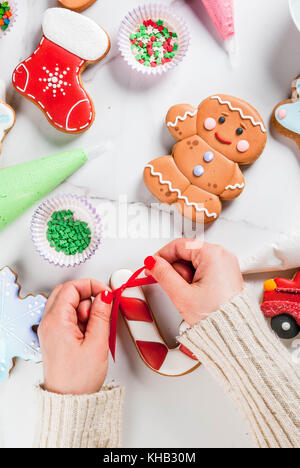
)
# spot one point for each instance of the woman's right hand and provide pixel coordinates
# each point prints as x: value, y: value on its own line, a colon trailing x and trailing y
x: 198, y: 279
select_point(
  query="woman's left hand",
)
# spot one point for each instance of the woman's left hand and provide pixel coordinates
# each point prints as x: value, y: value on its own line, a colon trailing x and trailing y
x: 74, y: 336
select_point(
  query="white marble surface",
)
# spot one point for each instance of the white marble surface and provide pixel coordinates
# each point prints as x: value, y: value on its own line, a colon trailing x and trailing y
x: 190, y: 411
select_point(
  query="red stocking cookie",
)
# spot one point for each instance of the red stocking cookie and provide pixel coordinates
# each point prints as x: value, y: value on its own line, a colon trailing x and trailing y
x: 146, y: 335
x: 50, y: 77
x: 204, y: 166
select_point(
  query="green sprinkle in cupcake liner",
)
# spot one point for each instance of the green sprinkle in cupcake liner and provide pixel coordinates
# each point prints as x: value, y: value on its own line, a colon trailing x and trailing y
x: 66, y: 230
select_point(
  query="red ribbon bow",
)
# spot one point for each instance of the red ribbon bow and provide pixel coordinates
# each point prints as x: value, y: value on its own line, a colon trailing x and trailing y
x: 115, y: 296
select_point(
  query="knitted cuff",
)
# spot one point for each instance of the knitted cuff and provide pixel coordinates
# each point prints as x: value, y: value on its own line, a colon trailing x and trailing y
x: 248, y: 360
x: 85, y: 421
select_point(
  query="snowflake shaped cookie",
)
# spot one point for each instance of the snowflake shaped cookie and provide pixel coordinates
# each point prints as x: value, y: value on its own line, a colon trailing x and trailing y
x: 55, y: 81
x: 17, y: 317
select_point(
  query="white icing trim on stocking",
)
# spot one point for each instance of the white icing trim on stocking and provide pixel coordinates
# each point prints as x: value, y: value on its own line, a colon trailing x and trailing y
x: 68, y: 116
x: 180, y: 196
x: 76, y: 33
x: 233, y: 187
x: 182, y: 119
x: 176, y: 362
x: 27, y: 77
x: 245, y: 117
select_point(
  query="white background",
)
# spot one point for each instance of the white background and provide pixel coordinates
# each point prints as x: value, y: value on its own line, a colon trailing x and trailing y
x: 190, y: 411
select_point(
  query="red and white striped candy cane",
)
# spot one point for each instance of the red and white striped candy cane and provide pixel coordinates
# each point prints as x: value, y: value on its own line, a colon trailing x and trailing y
x: 145, y: 333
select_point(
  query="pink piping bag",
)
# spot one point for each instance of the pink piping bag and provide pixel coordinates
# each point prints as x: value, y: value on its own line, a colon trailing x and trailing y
x: 222, y: 15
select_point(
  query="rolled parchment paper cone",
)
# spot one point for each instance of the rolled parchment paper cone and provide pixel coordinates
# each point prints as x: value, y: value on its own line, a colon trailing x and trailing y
x: 295, y: 12
x: 281, y: 254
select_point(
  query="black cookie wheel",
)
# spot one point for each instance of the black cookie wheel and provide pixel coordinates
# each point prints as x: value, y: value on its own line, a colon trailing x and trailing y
x: 285, y: 326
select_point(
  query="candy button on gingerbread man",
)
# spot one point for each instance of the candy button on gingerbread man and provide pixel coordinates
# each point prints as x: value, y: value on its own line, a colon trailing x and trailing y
x: 204, y: 166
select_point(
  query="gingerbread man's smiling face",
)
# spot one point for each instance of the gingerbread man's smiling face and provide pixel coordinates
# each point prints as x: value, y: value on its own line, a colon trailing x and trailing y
x: 232, y: 127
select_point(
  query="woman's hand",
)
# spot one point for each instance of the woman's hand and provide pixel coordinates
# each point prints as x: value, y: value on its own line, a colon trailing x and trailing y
x: 74, y: 336
x: 197, y: 280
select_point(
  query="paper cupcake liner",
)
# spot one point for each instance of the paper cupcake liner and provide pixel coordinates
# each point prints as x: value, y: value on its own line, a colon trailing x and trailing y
x: 153, y: 11
x: 14, y: 8
x: 83, y: 211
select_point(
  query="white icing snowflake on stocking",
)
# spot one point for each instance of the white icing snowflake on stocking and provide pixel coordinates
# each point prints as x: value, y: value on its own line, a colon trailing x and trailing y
x: 17, y: 317
x: 55, y: 81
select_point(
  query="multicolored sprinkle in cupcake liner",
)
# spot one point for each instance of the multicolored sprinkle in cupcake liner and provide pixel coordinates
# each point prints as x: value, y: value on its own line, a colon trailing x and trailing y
x: 153, y: 39
x: 66, y: 230
x: 8, y: 15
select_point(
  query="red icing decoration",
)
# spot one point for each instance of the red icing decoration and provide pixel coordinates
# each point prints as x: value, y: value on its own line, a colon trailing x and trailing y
x: 283, y: 300
x: 135, y: 309
x: 186, y: 351
x: 273, y: 308
x: 226, y: 142
x: 72, y: 109
x: 289, y: 284
x: 153, y: 353
x: 133, y: 282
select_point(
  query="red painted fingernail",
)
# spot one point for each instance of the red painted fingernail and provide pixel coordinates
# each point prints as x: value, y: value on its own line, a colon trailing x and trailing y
x: 107, y: 297
x: 150, y: 263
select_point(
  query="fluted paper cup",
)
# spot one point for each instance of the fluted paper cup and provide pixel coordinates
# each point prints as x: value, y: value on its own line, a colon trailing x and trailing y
x: 135, y: 18
x: 83, y: 211
x: 14, y: 9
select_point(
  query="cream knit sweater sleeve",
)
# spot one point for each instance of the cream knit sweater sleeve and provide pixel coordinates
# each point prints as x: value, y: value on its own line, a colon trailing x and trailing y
x: 248, y: 360
x: 86, y: 421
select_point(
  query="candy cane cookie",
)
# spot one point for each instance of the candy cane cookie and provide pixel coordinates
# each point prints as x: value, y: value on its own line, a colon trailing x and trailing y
x: 146, y: 335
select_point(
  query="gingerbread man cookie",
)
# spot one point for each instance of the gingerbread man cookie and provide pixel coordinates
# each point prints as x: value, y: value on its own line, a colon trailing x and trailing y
x: 285, y: 116
x: 17, y: 318
x: 146, y: 335
x: 76, y: 5
x: 204, y: 166
x: 51, y: 76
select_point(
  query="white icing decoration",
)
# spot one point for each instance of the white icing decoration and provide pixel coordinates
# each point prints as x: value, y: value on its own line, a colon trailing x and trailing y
x: 182, y: 119
x: 17, y: 317
x: 41, y: 104
x: 55, y: 80
x: 233, y: 187
x: 176, y: 362
x: 245, y: 117
x: 7, y: 119
x: 76, y: 33
x: 180, y: 196
x: 69, y: 114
